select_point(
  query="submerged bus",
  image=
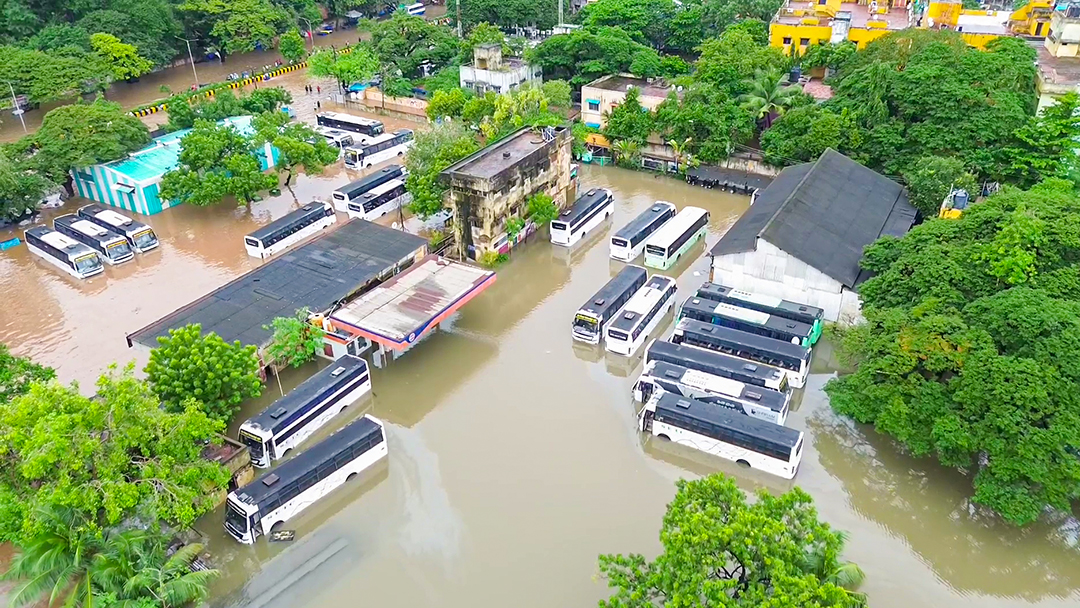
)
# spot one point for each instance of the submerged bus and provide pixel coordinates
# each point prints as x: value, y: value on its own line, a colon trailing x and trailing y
x: 112, y: 246
x: 380, y: 200
x: 756, y: 401
x: 348, y: 122
x: 354, y: 190
x: 383, y: 147
x: 744, y: 319
x: 664, y: 248
x: 629, y: 241
x: 811, y: 315
x: 720, y: 431
x: 792, y: 358
x: 593, y: 317
x: 294, y: 227
x: 631, y: 326
x: 64, y: 252
x: 140, y: 236
x: 717, y: 364
x: 308, y: 407
x: 587, y: 212
x: 275, y: 497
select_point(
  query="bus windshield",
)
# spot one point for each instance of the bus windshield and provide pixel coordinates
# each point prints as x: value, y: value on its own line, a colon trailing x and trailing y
x: 119, y: 250
x: 255, y: 446
x: 87, y: 263
x: 145, y: 239
x: 588, y: 324
x: 235, y: 518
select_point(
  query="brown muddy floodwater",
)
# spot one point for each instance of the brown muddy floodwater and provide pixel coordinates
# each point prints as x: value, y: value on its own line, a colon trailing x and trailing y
x: 514, y: 459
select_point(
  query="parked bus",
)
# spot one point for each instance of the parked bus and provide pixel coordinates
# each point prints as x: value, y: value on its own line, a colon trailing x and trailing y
x: 277, y: 496
x: 756, y: 401
x: 375, y: 151
x: 348, y: 122
x: 294, y: 227
x: 338, y: 138
x: 64, y: 252
x: 308, y: 407
x: 140, y: 236
x: 811, y: 315
x: 668, y: 244
x: 744, y: 319
x: 587, y: 212
x: 593, y: 317
x: 717, y: 364
x: 792, y: 358
x: 631, y: 326
x: 354, y: 190
x: 380, y: 200
x: 112, y: 246
x: 629, y: 241
x: 722, y: 432
x: 416, y: 9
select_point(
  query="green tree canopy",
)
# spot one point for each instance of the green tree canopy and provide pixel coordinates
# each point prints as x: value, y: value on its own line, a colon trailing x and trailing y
x: 445, y: 103
x: 629, y: 120
x: 297, y: 143
x: 727, y: 61
x: 123, y: 60
x: 709, y: 118
x: 931, y: 178
x: 585, y: 55
x: 188, y: 365
x: 347, y: 68
x: 48, y: 76
x: 408, y: 41
x: 292, y: 45
x: 719, y: 550
x: 83, y: 134
x: 296, y: 340
x: 237, y: 26
x: 17, y: 374
x: 215, y: 161
x: 21, y: 190
x: 434, y: 150
x: 650, y: 22
x: 509, y: 13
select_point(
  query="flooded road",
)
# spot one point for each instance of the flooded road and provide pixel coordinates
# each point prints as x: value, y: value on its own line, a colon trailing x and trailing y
x: 514, y: 459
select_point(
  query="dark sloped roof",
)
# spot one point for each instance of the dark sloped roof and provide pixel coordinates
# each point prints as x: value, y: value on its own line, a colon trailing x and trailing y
x: 823, y: 213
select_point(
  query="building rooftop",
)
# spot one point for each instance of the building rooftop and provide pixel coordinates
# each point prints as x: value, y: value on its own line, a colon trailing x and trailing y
x: 163, y: 153
x: 1057, y: 70
x: 792, y: 13
x: 503, y: 154
x: 316, y: 275
x: 621, y: 82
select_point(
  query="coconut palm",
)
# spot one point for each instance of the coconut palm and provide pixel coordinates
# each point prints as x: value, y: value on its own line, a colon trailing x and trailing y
x: 681, y: 152
x: 768, y: 96
x: 824, y: 563
x: 136, y: 568
x: 57, y: 565
x: 626, y: 150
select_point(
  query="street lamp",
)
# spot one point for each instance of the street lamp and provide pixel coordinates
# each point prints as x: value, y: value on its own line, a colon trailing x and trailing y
x: 15, y: 104
x: 192, y: 58
x: 311, y: 36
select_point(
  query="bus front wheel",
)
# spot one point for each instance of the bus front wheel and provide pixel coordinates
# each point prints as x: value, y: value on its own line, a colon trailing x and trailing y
x: 663, y: 437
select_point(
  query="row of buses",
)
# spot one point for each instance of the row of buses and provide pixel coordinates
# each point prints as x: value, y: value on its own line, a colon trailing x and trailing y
x: 81, y: 243
x: 262, y: 506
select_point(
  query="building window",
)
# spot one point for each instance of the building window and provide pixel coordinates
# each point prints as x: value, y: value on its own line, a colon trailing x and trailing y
x: 594, y: 105
x: 822, y: 2
x: 804, y: 41
x: 787, y: 39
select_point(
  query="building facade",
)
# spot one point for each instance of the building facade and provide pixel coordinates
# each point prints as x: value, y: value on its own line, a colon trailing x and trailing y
x: 606, y: 93
x: 490, y: 71
x: 489, y: 187
x: 1059, y: 56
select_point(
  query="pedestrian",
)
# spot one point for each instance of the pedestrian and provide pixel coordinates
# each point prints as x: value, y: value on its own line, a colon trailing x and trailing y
x: 318, y: 104
x: 320, y: 89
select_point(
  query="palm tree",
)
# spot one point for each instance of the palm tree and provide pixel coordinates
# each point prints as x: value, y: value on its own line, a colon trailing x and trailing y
x: 625, y: 150
x: 57, y: 564
x: 681, y: 151
x: 767, y: 97
x: 823, y: 561
x: 171, y: 583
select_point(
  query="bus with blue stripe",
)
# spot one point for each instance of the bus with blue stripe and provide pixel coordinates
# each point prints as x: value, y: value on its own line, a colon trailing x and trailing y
x: 811, y: 315
x: 744, y: 319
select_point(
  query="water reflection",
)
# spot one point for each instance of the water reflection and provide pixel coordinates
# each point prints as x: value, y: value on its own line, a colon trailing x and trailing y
x: 571, y: 256
x: 686, y: 459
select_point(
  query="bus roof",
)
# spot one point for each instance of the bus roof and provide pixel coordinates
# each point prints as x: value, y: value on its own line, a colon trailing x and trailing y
x: 368, y: 182
x: 718, y: 292
x: 641, y: 303
x: 110, y: 217
x: 64, y: 243
x: 678, y: 225
x: 644, y: 220
x: 746, y: 339
x: 280, y: 413
x: 87, y: 228
x: 292, y: 216
x: 704, y: 360
x: 360, y: 120
x: 766, y: 320
x: 268, y: 485
x: 382, y: 188
x: 584, y: 204
x: 619, y: 284
x: 750, y: 393
x: 725, y: 418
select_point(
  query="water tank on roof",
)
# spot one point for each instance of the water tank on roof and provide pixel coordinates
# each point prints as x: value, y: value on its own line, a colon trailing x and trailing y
x: 960, y: 199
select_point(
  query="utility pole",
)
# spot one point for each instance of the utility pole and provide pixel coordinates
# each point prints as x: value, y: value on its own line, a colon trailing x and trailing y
x: 459, y: 19
x: 17, y: 110
x: 560, y: 12
x: 311, y: 37
x: 192, y: 58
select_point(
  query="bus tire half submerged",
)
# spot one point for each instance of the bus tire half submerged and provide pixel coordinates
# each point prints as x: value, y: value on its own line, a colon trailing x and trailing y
x: 742, y: 463
x: 664, y: 437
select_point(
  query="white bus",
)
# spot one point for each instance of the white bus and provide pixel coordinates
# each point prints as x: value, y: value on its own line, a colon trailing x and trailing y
x: 263, y: 505
x: 755, y: 401
x: 664, y: 248
x: 631, y: 326
x: 112, y: 247
x: 348, y: 122
x: 587, y: 212
x: 777, y: 307
x: 65, y: 253
x: 718, y: 430
x: 593, y: 317
x: 380, y: 200
x: 375, y: 151
x: 629, y: 241
x: 792, y: 358
x: 354, y: 190
x: 717, y: 364
x: 294, y: 227
x: 416, y: 9
x: 744, y: 319
x: 140, y: 236
x: 338, y: 138
x: 293, y: 418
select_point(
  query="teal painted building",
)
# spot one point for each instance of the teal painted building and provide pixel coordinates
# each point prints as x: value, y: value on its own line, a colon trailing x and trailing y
x: 132, y: 183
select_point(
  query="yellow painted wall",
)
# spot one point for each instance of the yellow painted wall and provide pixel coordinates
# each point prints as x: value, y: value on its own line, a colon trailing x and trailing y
x: 944, y: 12
x: 816, y: 34
x: 978, y: 41
x: 863, y: 36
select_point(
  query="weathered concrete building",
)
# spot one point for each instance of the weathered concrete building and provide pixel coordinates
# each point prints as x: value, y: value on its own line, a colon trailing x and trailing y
x: 492, y: 185
x: 491, y: 71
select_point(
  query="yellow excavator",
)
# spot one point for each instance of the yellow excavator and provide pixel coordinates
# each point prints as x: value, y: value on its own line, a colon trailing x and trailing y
x: 954, y: 204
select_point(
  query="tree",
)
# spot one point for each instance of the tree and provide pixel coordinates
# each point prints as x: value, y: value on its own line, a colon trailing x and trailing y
x: 448, y: 103
x: 557, y: 93
x: 151, y: 25
x: 215, y: 161
x: 629, y: 120
x: 123, y: 59
x: 182, y: 114
x: 298, y: 145
x: 238, y: 26
x: 48, y: 76
x: 526, y: 106
x: 829, y: 55
x: 115, y: 456
x: 189, y: 365
x: 292, y: 46
x: 540, y: 209
x: 723, y: 15
x: 627, y: 152
x: 931, y: 178
x: 59, y: 35
x: 18, y: 373
x: 709, y: 118
x: 432, y: 151
x: 767, y: 96
x: 1045, y: 147
x: 509, y: 13
x: 21, y: 191
x: 347, y: 68
x: 83, y: 134
x: 408, y: 42
x: 58, y: 563
x: 585, y: 55
x: 649, y: 21
x: 138, y: 567
x: 718, y: 550
x: 296, y: 340
x: 484, y: 33
x: 725, y: 61
x: 802, y: 134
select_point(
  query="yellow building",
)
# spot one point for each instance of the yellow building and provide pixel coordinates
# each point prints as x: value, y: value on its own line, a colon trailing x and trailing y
x: 1059, y: 56
x: 1032, y: 19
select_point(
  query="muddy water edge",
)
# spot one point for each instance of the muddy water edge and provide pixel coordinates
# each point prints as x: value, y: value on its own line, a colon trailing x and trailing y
x: 514, y: 458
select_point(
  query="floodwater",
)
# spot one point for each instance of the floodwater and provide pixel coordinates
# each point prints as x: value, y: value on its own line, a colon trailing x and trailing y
x: 514, y: 459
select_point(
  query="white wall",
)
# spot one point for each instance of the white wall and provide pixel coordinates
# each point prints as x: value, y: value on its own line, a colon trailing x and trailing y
x: 770, y: 271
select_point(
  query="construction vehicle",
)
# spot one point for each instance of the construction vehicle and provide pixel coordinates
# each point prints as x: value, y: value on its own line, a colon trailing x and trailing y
x: 954, y: 204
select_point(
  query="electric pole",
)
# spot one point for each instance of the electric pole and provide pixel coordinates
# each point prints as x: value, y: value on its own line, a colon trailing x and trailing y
x: 458, y: 9
x: 560, y: 12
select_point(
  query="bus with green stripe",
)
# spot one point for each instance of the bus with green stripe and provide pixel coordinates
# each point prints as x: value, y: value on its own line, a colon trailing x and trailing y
x: 675, y: 238
x: 786, y: 309
x: 744, y: 319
